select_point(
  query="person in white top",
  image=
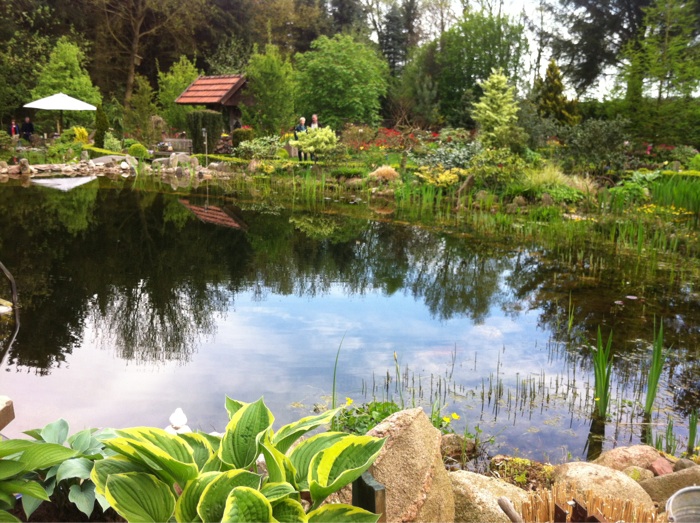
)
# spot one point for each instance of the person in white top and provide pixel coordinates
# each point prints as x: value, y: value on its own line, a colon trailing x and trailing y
x: 314, y: 121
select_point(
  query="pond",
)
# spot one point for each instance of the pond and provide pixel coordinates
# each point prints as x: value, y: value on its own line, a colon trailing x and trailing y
x: 135, y: 301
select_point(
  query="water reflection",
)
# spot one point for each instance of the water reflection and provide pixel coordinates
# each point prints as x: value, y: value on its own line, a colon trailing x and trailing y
x: 153, y: 277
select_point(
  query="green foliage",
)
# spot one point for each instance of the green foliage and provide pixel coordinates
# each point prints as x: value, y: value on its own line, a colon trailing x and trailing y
x: 551, y: 102
x: 544, y: 214
x: 342, y: 80
x: 241, y: 135
x: 111, y: 143
x: 5, y: 142
x: 347, y: 172
x: 80, y: 134
x: 101, y: 127
x: 157, y: 476
x: 264, y: 147
x: 171, y: 84
x: 230, y: 57
x: 495, y: 169
x: 138, y: 118
x: 139, y: 151
x: 449, y: 155
x: 319, y: 142
x: 602, y: 367
x: 595, y: 146
x: 271, y: 85
x: 65, y: 73
x: 212, y: 121
x: 439, y: 176
x: 63, y: 152
x: 360, y: 419
x: 657, y: 365
x: 496, y: 113
x: 469, y: 51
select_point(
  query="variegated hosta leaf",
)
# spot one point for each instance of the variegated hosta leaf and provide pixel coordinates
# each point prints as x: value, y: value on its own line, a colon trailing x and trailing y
x: 200, y: 447
x: 277, y: 491
x: 240, y: 445
x: 279, y: 467
x: 288, y: 511
x: 104, y: 468
x: 303, y: 453
x: 233, y: 406
x: 186, y: 506
x: 213, y: 499
x: 338, y: 465
x: 247, y: 505
x: 287, y: 435
x: 137, y: 496
x: 341, y: 514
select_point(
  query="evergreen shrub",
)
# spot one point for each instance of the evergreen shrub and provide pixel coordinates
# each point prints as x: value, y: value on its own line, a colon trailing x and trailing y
x: 212, y: 121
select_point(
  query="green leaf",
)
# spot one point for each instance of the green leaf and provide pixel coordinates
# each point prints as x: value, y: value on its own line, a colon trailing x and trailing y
x: 247, y: 505
x: 33, y: 433
x: 24, y: 487
x: 344, y: 462
x: 303, y: 453
x: 55, y: 432
x: 213, y: 465
x: 9, y: 468
x: 44, y: 455
x: 6, y: 517
x: 106, y: 467
x: 213, y: 500
x: 186, y: 506
x: 233, y: 406
x: 9, y: 447
x: 277, y: 491
x: 83, y: 496
x: 74, y: 468
x: 83, y: 441
x: 137, y: 496
x: 214, y: 441
x: 339, y: 513
x: 288, y: 511
x: 287, y: 435
x: 200, y: 446
x: 30, y: 504
x: 240, y: 445
x: 279, y: 466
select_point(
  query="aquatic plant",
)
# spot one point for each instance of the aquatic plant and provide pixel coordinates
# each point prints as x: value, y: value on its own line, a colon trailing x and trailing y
x: 602, y: 366
x: 692, y: 431
x: 657, y: 362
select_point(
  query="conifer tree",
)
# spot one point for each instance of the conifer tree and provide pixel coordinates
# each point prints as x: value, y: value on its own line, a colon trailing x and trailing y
x: 496, y: 113
x: 551, y: 102
x: 393, y: 39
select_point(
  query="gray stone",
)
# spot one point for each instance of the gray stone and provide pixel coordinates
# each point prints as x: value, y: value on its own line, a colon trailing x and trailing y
x: 84, y: 156
x: 91, y: 164
x: 661, y: 488
x: 24, y: 166
x: 410, y: 467
x: 132, y: 162
x: 547, y: 200
x: 683, y: 464
x: 476, y: 497
x: 173, y: 161
x: 601, y: 481
x: 179, y: 173
x: 622, y: 457
x: 161, y: 163
x: 124, y: 166
x: 110, y: 160
x: 638, y: 473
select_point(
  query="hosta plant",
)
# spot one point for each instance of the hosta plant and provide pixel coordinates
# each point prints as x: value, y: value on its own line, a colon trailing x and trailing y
x: 157, y: 476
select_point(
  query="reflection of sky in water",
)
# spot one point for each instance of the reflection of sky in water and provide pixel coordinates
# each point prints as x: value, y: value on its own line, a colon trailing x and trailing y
x: 283, y: 347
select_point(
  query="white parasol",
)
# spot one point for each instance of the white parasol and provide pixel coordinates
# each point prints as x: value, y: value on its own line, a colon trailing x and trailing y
x: 60, y: 102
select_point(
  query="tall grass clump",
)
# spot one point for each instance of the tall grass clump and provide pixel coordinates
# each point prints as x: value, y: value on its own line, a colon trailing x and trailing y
x: 602, y: 366
x: 692, y: 431
x: 657, y: 362
x: 678, y: 191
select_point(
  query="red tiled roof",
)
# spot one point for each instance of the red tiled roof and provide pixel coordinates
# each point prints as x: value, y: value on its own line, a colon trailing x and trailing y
x: 212, y: 90
x: 215, y: 215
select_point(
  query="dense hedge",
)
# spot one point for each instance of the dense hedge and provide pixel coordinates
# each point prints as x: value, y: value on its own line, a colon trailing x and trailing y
x: 212, y: 121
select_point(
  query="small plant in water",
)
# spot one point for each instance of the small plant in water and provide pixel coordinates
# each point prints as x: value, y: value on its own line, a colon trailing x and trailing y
x: 657, y: 362
x: 602, y: 366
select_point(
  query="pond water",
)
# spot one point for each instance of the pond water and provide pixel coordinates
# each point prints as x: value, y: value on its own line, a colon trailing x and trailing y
x: 135, y: 302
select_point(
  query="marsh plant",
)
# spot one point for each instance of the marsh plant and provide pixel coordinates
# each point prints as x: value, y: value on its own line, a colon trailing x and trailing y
x: 602, y: 366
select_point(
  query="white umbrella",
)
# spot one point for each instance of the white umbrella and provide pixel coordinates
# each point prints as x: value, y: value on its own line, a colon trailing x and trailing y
x: 60, y: 102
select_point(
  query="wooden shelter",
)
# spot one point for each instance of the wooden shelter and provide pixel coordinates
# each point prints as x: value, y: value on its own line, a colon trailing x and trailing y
x: 220, y: 93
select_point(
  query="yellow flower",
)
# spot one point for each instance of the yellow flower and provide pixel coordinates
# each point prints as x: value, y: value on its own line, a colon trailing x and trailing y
x: 349, y: 401
x: 446, y: 419
x: 455, y: 415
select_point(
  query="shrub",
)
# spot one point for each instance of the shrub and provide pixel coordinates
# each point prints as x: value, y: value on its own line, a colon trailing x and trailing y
x: 111, y: 143
x: 5, y: 141
x: 495, y: 169
x: 61, y: 152
x: 128, y: 142
x: 241, y: 135
x: 385, y: 173
x: 357, y: 137
x: 81, y: 134
x: 439, y: 176
x: 449, y: 155
x: 264, y: 147
x: 684, y: 154
x: 101, y: 127
x: 595, y: 146
x: 212, y: 121
x: 139, y: 151
x: 319, y: 142
x: 347, y: 172
x: 694, y: 163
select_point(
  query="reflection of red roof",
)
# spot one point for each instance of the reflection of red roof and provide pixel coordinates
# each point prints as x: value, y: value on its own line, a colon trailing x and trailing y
x: 212, y: 90
x: 215, y: 215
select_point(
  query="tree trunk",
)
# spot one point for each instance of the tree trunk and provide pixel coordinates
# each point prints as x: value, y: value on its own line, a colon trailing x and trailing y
x: 131, y: 74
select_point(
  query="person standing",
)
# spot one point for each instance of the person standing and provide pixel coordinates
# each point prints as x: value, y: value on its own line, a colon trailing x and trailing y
x: 314, y: 122
x: 300, y: 128
x: 14, y: 128
x: 27, y: 129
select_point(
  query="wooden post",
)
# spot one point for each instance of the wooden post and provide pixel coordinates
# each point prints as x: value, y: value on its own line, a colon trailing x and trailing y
x: 7, y: 411
x: 369, y: 494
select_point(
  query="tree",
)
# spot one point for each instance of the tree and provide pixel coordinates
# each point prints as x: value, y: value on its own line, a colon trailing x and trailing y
x: 393, y: 39
x: 347, y: 16
x: 138, y: 117
x: 342, y: 80
x: 271, y: 85
x: 468, y: 52
x: 101, y: 127
x: 230, y: 57
x: 496, y: 113
x: 171, y: 84
x: 65, y: 73
x: 551, y: 102
x: 130, y: 23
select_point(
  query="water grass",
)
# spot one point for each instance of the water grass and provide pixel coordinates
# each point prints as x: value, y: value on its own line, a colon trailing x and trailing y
x: 657, y: 362
x: 692, y: 431
x: 602, y: 366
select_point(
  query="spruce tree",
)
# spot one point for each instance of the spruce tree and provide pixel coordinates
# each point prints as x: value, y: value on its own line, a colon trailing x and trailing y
x: 393, y: 40
x: 101, y: 127
x: 496, y: 113
x: 551, y: 102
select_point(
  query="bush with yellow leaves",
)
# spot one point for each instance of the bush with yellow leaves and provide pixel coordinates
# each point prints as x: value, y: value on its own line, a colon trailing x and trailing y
x: 441, y: 177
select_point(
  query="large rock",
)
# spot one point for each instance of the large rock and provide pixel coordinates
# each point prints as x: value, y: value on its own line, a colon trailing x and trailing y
x: 24, y: 166
x: 661, y: 488
x: 622, y: 457
x: 601, y: 481
x: 410, y: 467
x: 476, y: 497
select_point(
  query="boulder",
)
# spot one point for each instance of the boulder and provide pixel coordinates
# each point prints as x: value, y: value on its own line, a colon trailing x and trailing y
x: 661, y: 467
x: 410, y: 466
x: 132, y: 162
x: 476, y: 497
x: 173, y: 160
x: 683, y: 464
x: 601, y: 481
x: 3, y: 164
x: 84, y: 156
x: 661, y: 488
x: 638, y: 473
x: 161, y: 163
x: 124, y: 166
x: 622, y: 457
x: 24, y: 166
x: 13, y: 169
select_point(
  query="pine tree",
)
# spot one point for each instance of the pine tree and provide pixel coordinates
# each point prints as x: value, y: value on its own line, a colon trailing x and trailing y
x: 347, y: 15
x: 393, y: 40
x: 101, y: 127
x: 496, y: 113
x: 551, y: 102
